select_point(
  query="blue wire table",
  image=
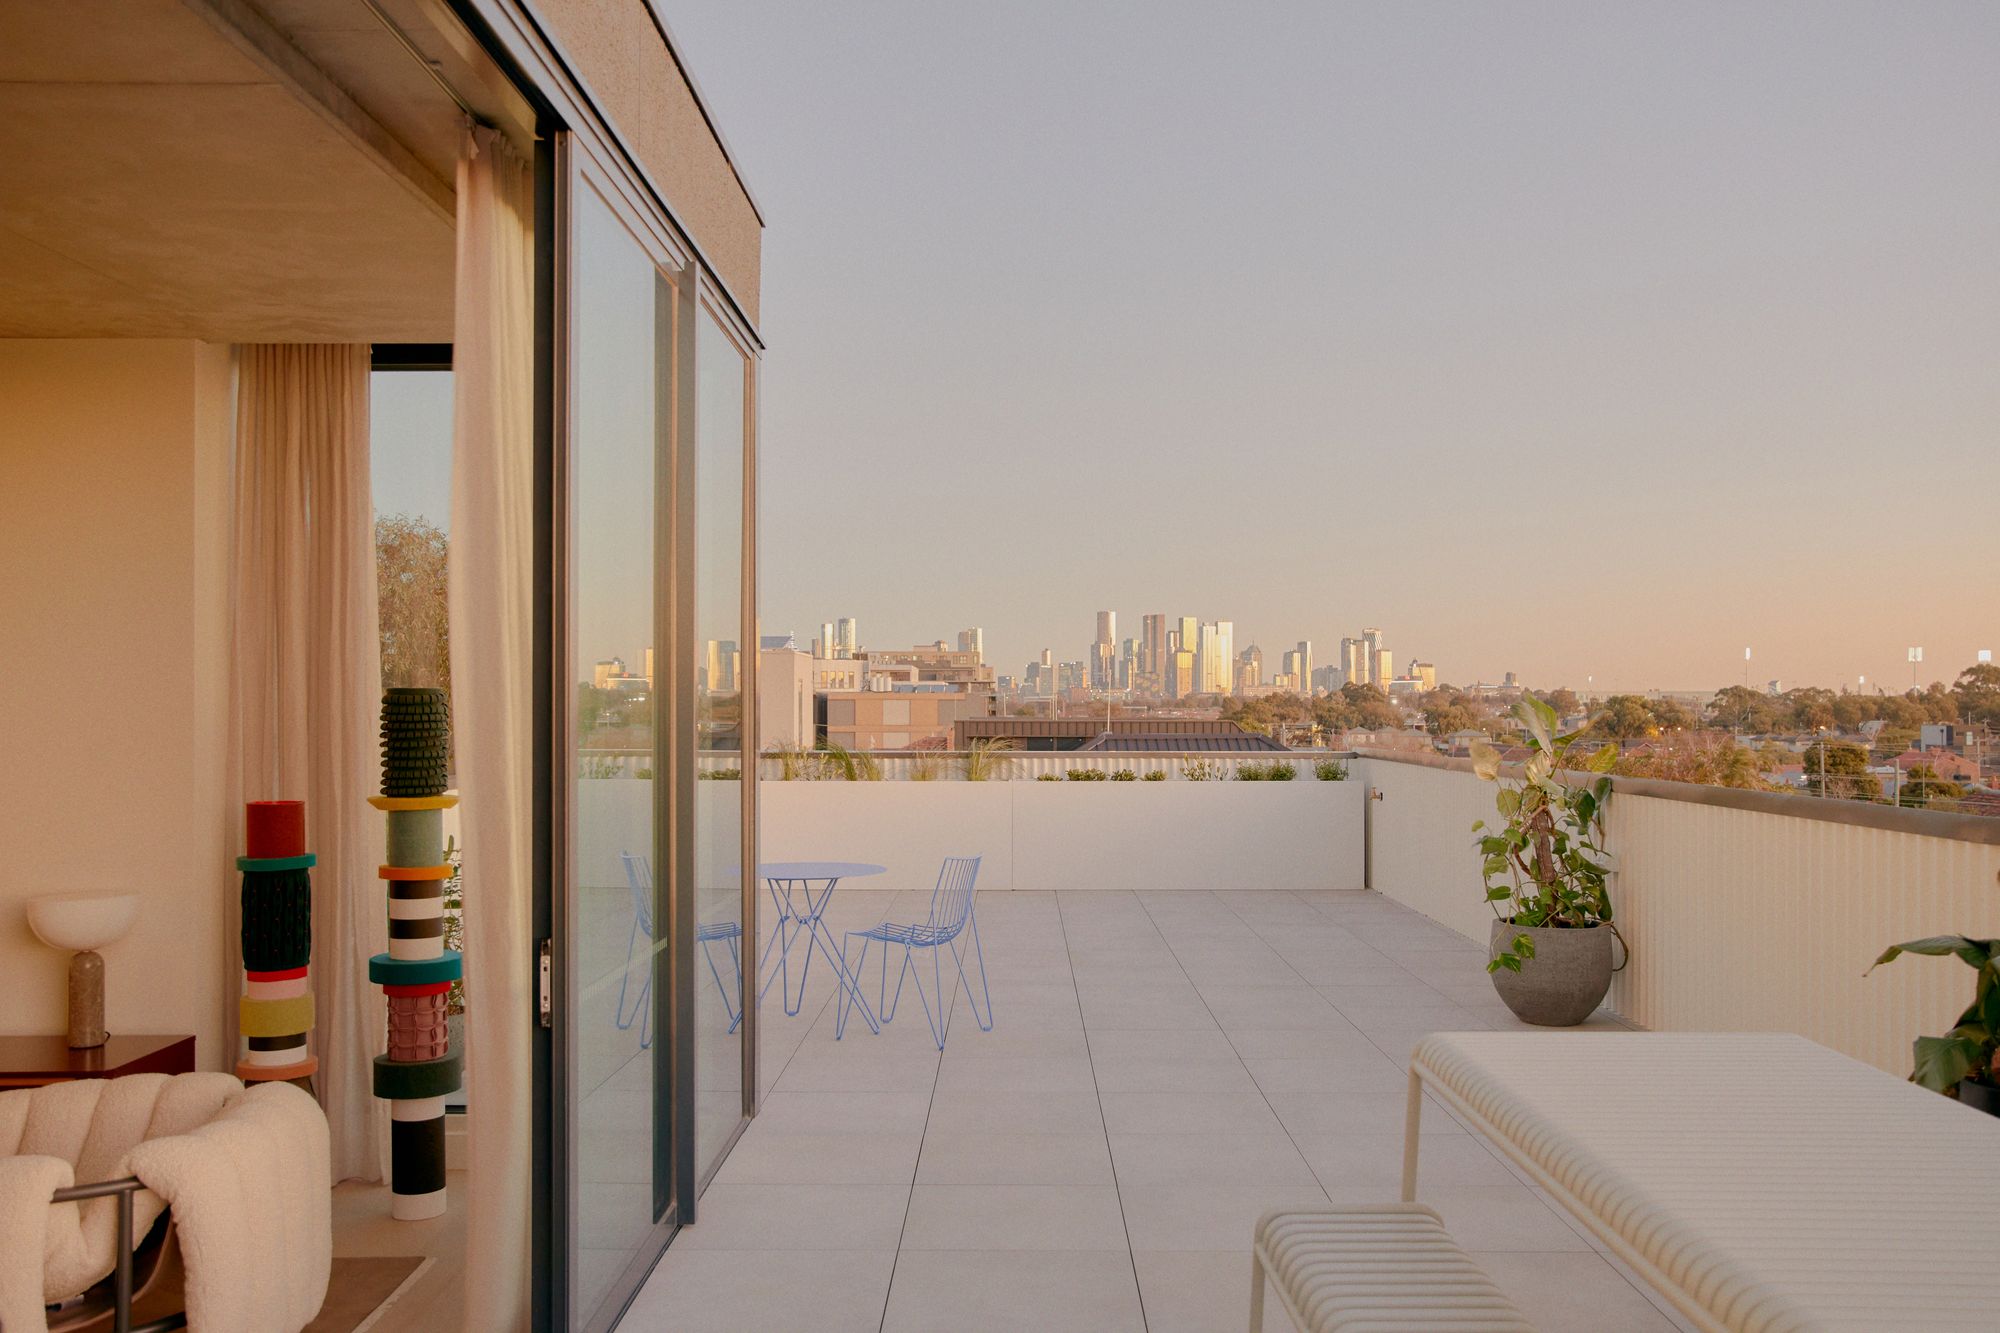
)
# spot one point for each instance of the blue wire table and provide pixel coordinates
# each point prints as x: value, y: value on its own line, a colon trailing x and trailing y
x: 799, y: 912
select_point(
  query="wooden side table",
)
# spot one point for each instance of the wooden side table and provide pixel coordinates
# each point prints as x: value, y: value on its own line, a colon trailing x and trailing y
x: 32, y: 1062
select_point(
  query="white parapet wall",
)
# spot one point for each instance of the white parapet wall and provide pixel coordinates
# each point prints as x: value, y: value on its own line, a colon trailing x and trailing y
x: 1745, y: 912
x: 1075, y: 835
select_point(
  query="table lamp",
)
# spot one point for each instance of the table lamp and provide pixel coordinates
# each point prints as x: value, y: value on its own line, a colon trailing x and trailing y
x: 85, y: 922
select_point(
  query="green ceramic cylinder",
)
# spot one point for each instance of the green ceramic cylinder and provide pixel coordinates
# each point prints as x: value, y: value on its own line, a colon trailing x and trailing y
x: 416, y: 837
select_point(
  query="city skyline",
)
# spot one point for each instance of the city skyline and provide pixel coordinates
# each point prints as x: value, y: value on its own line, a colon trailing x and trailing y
x: 1937, y: 666
x: 1574, y: 340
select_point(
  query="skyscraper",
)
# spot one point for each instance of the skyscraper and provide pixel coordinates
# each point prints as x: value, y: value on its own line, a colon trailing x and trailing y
x: 1371, y: 654
x: 1128, y: 663
x: 1303, y: 669
x: 1179, y: 679
x: 973, y: 641
x: 1104, y: 653
x: 1250, y: 669
x: 1215, y: 657
x: 1385, y: 668
x: 846, y: 639
x: 1189, y: 630
x: 1153, y: 646
x: 1353, y: 667
x: 825, y: 646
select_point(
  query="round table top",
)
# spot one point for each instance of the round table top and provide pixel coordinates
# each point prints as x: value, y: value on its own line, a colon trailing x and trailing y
x: 816, y: 869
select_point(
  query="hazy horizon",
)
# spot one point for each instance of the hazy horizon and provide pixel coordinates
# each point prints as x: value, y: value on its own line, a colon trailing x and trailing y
x: 1309, y: 318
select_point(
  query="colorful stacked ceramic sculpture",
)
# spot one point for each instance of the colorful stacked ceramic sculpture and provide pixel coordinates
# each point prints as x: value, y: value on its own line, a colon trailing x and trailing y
x: 275, y: 1014
x: 419, y: 1067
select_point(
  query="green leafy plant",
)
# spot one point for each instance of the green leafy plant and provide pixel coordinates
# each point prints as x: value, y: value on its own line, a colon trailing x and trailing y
x: 1972, y: 1049
x: 1544, y: 863
x: 925, y: 766
x: 1156, y: 775
x: 1281, y: 771
x: 1087, y: 775
x: 721, y: 775
x: 1048, y: 777
x: 1202, y: 770
x: 849, y: 765
x: 1251, y: 771
x: 1330, y: 770
x: 987, y: 759
x: 1124, y: 775
x: 797, y: 764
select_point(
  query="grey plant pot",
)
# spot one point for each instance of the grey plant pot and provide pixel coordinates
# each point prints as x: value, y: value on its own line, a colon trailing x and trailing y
x: 1980, y: 1096
x: 1563, y: 983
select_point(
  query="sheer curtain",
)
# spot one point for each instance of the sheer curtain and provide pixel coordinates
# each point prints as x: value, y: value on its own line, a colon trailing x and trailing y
x: 492, y: 643
x: 307, y: 677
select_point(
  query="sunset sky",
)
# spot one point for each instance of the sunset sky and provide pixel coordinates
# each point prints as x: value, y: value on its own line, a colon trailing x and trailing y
x: 1582, y: 341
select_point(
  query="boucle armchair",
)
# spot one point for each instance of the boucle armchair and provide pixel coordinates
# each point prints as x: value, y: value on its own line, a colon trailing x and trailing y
x: 243, y: 1170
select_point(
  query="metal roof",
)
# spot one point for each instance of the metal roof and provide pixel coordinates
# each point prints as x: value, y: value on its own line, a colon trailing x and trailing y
x: 1153, y: 743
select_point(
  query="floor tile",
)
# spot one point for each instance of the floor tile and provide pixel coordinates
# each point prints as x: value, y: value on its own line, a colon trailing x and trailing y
x: 1187, y: 1113
x: 1208, y: 1159
x: 1012, y: 1158
x: 797, y: 1217
x: 1200, y: 1291
x: 1205, y: 1217
x: 727, y: 1291
x: 766, y: 1158
x: 1015, y: 1112
x: 1015, y: 1217
x: 1571, y: 1293
x: 1007, y: 1291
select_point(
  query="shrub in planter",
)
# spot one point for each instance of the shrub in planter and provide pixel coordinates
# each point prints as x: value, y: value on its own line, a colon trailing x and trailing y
x: 1280, y: 771
x: 1157, y: 775
x: 1330, y: 770
x: 1124, y: 775
x: 1964, y: 1062
x: 1251, y: 771
x: 1202, y: 770
x: 1545, y: 871
x: 1048, y: 777
x: 1088, y: 775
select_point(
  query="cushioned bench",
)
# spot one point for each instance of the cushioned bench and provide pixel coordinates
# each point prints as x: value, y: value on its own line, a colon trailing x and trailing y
x: 1359, y: 1268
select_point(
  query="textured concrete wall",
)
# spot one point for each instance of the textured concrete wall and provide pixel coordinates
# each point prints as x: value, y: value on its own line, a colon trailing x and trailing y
x: 634, y: 80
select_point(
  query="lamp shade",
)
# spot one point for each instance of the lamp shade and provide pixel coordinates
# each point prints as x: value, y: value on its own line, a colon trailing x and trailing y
x: 82, y: 920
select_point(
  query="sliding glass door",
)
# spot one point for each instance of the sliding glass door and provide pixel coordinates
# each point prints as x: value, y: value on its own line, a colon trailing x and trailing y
x: 654, y: 942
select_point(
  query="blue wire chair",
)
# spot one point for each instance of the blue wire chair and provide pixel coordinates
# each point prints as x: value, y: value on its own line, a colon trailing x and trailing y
x: 951, y: 914
x: 639, y: 875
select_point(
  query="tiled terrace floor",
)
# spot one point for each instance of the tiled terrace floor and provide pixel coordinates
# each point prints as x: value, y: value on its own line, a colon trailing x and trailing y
x: 1164, y: 1067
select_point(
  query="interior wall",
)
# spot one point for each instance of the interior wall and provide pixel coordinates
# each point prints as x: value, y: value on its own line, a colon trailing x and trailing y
x: 114, y: 539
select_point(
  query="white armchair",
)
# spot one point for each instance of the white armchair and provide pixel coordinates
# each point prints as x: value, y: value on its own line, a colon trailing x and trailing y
x: 243, y: 1170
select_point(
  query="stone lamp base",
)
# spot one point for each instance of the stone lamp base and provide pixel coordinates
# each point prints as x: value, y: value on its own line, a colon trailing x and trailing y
x: 86, y: 1000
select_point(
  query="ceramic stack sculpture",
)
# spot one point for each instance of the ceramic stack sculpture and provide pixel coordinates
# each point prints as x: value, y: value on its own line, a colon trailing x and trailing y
x: 275, y: 1014
x: 419, y: 1068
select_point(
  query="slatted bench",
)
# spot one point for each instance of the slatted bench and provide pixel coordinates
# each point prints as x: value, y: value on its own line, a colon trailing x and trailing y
x: 1360, y: 1268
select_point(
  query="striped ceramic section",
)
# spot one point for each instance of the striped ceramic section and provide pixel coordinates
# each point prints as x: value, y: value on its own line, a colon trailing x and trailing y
x: 277, y: 990
x: 1769, y: 1183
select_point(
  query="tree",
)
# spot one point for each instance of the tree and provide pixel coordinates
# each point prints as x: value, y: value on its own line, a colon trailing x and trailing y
x: 1922, y: 785
x: 411, y: 602
x: 1444, y: 717
x: 1624, y: 717
x: 1371, y: 706
x: 1563, y: 701
x: 1810, y: 708
x: 1670, y: 715
x: 1977, y: 693
x: 1743, y: 709
x: 1711, y: 761
x: 1839, y: 770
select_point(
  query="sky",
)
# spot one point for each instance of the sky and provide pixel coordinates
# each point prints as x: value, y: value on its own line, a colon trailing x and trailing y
x: 1592, y: 342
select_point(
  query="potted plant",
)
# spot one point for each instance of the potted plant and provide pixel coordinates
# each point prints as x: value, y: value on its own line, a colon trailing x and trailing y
x: 1545, y: 868
x: 1964, y: 1062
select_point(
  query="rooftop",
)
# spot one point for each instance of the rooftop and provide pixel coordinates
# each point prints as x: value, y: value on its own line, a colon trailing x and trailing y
x: 1164, y: 1067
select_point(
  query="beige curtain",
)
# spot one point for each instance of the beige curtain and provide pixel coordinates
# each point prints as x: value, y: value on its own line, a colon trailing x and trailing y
x: 492, y: 642
x: 307, y: 679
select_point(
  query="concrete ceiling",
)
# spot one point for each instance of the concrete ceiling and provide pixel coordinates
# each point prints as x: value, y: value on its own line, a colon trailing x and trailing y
x: 207, y: 169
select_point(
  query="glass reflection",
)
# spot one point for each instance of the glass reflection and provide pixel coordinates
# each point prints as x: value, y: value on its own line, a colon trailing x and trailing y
x: 721, y: 647
x: 618, y: 955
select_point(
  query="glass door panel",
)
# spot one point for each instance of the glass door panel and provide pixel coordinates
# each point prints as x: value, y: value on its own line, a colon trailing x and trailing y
x: 725, y: 647
x: 617, y: 938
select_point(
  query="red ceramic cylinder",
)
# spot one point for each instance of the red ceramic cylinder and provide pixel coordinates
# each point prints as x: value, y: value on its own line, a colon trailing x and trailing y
x: 273, y: 829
